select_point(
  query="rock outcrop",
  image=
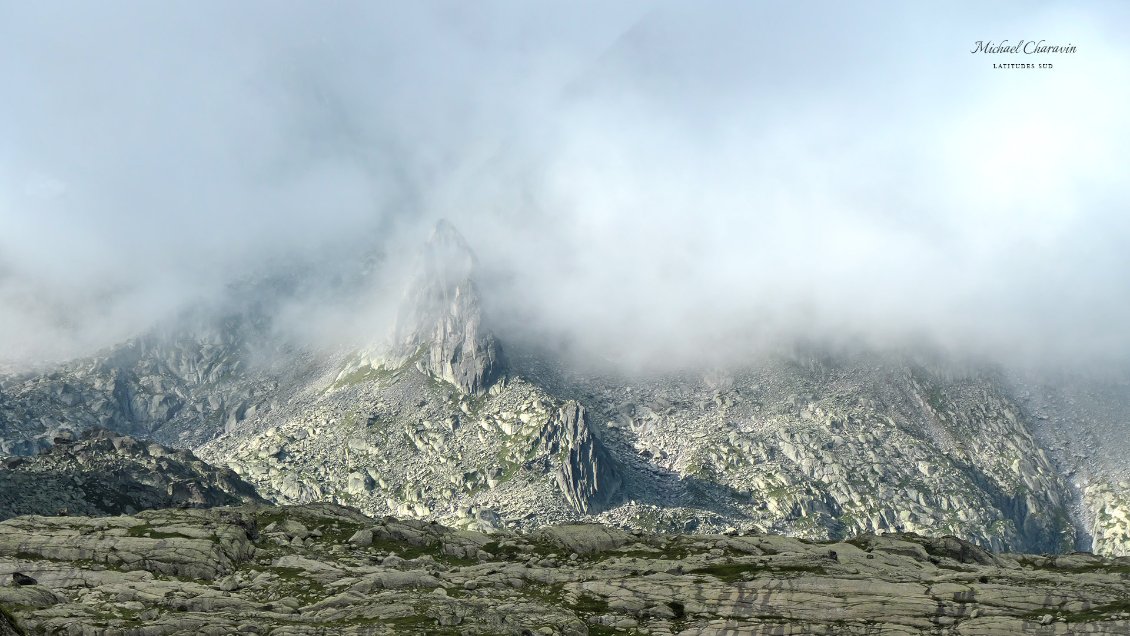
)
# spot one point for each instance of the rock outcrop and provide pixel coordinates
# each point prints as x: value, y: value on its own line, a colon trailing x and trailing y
x: 586, y: 474
x: 1109, y: 507
x: 180, y: 385
x: 326, y: 569
x: 6, y: 626
x: 105, y: 473
x: 440, y: 324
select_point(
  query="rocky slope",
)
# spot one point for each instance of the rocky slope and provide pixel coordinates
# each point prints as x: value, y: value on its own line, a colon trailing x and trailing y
x: 829, y: 453
x: 1082, y: 420
x: 440, y: 425
x: 177, y: 386
x: 105, y: 473
x: 324, y: 569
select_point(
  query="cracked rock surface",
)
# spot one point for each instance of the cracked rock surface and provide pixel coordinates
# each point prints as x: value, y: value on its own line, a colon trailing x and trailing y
x: 320, y: 568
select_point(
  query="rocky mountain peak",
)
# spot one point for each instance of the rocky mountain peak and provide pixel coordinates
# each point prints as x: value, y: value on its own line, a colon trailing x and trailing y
x: 440, y: 324
x: 447, y: 253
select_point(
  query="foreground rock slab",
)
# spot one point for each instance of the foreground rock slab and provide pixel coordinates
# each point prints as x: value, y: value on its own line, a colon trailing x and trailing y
x: 325, y: 569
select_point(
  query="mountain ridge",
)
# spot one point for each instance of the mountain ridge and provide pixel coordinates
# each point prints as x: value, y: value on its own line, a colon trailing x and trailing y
x: 440, y: 425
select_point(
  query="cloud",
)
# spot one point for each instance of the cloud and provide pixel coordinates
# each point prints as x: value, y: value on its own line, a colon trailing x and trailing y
x: 854, y: 176
x: 649, y: 181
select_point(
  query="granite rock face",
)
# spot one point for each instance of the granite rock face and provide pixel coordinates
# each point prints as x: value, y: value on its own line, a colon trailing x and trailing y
x: 180, y: 385
x: 1109, y: 507
x: 440, y: 324
x: 586, y: 475
x: 105, y: 473
x: 325, y: 569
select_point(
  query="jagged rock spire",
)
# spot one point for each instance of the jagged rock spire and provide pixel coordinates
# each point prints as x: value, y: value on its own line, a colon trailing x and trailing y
x: 440, y: 322
x: 587, y: 476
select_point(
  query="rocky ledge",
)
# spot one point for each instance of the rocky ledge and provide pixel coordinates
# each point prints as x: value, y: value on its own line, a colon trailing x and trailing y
x: 321, y: 568
x: 102, y: 472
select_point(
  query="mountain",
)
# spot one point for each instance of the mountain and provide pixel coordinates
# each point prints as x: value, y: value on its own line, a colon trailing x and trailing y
x: 179, y: 386
x: 320, y: 568
x: 440, y: 323
x: 445, y: 420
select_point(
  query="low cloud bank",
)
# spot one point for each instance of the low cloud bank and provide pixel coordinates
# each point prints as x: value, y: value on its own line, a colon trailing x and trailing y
x: 656, y: 183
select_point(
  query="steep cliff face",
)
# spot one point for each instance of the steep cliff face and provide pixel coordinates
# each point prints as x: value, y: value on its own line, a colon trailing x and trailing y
x: 586, y: 475
x: 1108, y: 509
x: 440, y: 324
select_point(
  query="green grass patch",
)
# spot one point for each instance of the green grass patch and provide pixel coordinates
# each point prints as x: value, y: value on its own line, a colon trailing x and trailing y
x: 1097, y: 613
x: 501, y: 551
x: 298, y: 583
x: 287, y: 573
x: 604, y: 630
x: 589, y: 604
x: 148, y: 532
x: 736, y: 572
x: 338, y: 532
x: 414, y: 624
x: 730, y: 572
x: 364, y: 375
